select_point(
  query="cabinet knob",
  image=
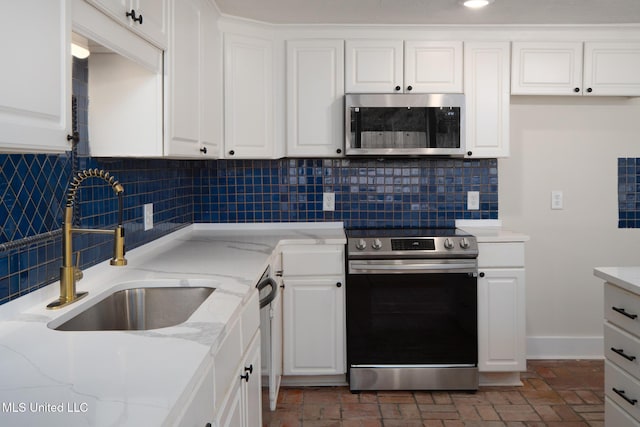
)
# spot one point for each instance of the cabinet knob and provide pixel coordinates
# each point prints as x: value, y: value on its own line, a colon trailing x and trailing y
x: 249, y: 369
x: 469, y: 153
x: 207, y: 425
x: 398, y: 88
x: 409, y: 88
x: 481, y: 274
x: 231, y: 152
x: 132, y: 15
x: 244, y: 377
x: 339, y: 284
x: 576, y: 90
x: 589, y: 90
x: 339, y: 150
x: 203, y: 150
x: 75, y: 137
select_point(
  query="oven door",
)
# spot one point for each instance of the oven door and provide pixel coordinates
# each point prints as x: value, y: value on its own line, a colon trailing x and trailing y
x: 412, y: 315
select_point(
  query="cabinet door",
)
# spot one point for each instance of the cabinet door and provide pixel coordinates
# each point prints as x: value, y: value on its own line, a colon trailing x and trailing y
x: 199, y: 409
x: 155, y: 23
x: 546, y: 68
x: 314, y: 324
x: 251, y: 389
x: 315, y: 98
x: 230, y: 414
x: 35, y: 89
x: 612, y: 69
x: 486, y: 88
x: 501, y: 320
x: 248, y: 90
x: 373, y: 66
x: 210, y: 81
x: 184, y: 77
x: 154, y: 17
x: 433, y: 67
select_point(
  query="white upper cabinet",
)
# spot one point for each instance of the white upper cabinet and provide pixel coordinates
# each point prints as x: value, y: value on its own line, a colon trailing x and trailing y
x: 35, y: 89
x: 433, y: 67
x: 487, y: 101
x: 576, y: 68
x: 194, y: 81
x: 145, y: 17
x: 612, y: 68
x: 373, y: 66
x: 248, y: 97
x: 315, y: 98
x: 388, y: 66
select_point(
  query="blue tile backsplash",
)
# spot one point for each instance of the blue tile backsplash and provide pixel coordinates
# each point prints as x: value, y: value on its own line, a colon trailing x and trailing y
x: 629, y: 192
x: 425, y: 192
x: 368, y: 193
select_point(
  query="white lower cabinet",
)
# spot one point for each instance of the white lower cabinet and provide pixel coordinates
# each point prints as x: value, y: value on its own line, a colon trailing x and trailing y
x: 314, y: 310
x: 243, y: 407
x: 621, y: 350
x: 501, y: 320
x: 501, y: 308
x: 314, y: 326
x: 198, y: 411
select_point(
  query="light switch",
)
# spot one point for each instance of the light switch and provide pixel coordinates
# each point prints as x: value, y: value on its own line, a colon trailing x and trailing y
x: 148, y: 216
x: 328, y: 201
x: 557, y: 200
x: 473, y: 200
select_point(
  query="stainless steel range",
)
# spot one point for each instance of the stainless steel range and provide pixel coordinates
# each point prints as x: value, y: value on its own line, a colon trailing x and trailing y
x: 412, y: 309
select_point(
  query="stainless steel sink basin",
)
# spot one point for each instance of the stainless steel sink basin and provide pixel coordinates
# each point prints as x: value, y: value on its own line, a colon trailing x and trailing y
x: 139, y: 309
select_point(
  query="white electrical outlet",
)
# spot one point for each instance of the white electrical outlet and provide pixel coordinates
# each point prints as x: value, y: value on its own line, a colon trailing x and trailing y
x: 473, y: 200
x: 148, y: 216
x: 557, y: 200
x: 328, y: 201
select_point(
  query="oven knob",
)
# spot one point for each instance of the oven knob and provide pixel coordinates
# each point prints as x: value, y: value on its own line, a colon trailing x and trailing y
x: 464, y: 243
x: 377, y: 244
x: 448, y: 244
x: 361, y: 244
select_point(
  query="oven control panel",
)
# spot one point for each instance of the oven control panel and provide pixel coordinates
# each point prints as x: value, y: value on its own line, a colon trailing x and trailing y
x: 413, y: 247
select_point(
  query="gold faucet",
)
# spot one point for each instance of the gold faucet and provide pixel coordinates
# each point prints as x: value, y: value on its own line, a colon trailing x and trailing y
x: 70, y: 273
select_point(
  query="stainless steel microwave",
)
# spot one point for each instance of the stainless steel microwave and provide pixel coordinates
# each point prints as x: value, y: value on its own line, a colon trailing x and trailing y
x: 404, y: 124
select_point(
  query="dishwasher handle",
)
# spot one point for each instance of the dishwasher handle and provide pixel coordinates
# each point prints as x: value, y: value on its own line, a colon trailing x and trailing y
x: 272, y: 295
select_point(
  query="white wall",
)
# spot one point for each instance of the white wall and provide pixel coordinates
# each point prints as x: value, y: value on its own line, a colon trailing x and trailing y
x: 569, y: 144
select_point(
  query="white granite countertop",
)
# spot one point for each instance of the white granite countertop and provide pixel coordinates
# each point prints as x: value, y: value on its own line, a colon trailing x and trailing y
x: 135, y: 378
x: 625, y: 277
x: 490, y: 231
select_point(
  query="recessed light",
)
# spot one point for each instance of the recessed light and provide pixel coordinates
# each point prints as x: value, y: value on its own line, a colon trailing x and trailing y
x: 476, y: 4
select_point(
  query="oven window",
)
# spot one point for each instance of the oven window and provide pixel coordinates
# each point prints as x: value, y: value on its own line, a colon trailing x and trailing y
x: 411, y: 319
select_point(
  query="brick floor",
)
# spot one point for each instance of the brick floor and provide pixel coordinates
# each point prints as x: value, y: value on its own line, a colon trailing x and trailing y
x: 555, y: 393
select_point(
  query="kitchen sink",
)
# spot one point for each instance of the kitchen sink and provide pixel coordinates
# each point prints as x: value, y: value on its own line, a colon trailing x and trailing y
x: 139, y: 309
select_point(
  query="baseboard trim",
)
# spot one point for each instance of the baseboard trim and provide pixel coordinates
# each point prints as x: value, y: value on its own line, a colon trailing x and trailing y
x: 565, y: 347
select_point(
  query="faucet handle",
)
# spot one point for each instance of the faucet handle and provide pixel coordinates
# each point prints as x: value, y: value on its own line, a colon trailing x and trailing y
x: 77, y: 273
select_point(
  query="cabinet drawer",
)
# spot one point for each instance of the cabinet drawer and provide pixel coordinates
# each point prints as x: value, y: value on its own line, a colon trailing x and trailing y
x: 501, y: 254
x: 313, y: 261
x: 622, y: 308
x: 622, y: 389
x: 616, y: 416
x: 620, y: 346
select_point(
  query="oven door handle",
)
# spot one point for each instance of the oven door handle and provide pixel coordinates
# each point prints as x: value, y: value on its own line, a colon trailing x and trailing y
x: 404, y: 266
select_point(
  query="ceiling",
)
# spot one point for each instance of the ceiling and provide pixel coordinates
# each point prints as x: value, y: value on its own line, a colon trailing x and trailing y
x: 431, y: 12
